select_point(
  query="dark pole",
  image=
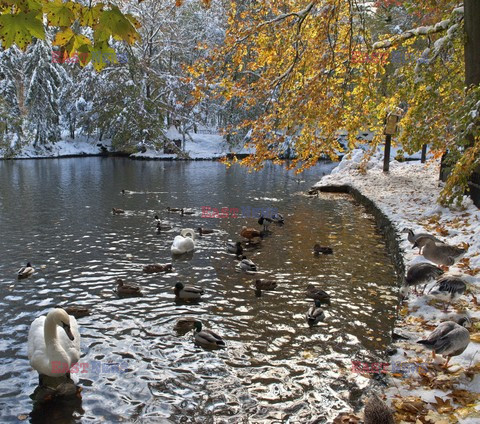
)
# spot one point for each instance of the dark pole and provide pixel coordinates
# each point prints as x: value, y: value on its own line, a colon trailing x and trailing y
x: 386, y: 154
x: 424, y: 153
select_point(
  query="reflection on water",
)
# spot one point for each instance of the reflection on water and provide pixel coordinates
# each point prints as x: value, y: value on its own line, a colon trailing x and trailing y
x: 58, y: 213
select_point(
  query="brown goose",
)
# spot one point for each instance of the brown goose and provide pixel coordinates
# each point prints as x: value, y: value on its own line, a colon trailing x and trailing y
x: 412, y: 237
x: 376, y: 412
x: 448, y: 289
x: 422, y: 274
x: 439, y: 253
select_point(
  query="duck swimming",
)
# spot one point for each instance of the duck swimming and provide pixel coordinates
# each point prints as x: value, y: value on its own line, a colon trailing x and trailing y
x: 188, y: 292
x: 317, y: 250
x: 317, y: 293
x: 202, y: 231
x: 152, y: 268
x: 117, y: 211
x: 207, y: 338
x: 124, y: 289
x: 315, y: 314
x: 25, y: 271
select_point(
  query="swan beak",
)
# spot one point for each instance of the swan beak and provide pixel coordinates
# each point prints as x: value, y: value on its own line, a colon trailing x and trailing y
x: 68, y: 331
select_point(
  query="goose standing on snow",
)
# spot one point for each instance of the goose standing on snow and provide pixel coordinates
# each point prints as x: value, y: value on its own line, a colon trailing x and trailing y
x: 448, y: 289
x: 422, y: 273
x: 247, y: 265
x: 207, y: 338
x: 315, y: 314
x: 377, y: 412
x: 53, y: 352
x: 183, y: 243
x: 412, y: 237
x: 25, y: 271
x: 235, y: 247
x: 439, y: 253
x: 188, y: 292
x: 448, y: 339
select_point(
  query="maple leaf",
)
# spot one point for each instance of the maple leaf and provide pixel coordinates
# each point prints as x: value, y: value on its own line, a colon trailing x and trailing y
x: 20, y: 28
x: 442, y: 406
x: 60, y: 13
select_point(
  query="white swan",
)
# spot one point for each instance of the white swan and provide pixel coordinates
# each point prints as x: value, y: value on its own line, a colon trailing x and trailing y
x: 53, y: 352
x: 184, y: 242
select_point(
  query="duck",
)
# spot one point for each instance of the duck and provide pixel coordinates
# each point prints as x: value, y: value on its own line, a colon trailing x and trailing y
x: 315, y: 314
x: 265, y: 285
x: 448, y: 289
x: 207, y: 338
x: 448, y: 339
x: 184, y: 324
x: 317, y: 293
x: 412, y: 237
x: 377, y: 412
x: 422, y: 273
x: 324, y: 250
x: 265, y: 222
x: 247, y: 264
x: 117, y: 211
x: 235, y: 247
x: 152, y: 268
x: 439, y: 253
x: 25, y: 271
x: 51, y: 351
x: 183, y: 243
x: 124, y: 289
x: 203, y: 231
x: 159, y: 225
x: 77, y: 311
x: 250, y: 233
x: 173, y: 210
x: 188, y: 292
x: 277, y: 218
x: 186, y: 212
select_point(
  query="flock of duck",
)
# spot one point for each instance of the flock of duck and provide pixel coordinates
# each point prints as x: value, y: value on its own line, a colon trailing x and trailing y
x: 449, y: 338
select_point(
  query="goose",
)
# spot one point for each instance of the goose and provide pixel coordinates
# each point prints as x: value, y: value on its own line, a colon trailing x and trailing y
x: 188, y: 292
x: 317, y: 250
x: 150, y: 269
x: 124, y: 289
x: 235, y: 247
x: 247, y: 264
x: 77, y: 311
x: 25, y: 271
x: 422, y: 273
x: 265, y: 222
x: 439, y: 253
x: 448, y: 339
x: 53, y: 352
x: 250, y: 233
x: 186, y: 212
x: 412, y: 237
x: 207, y: 338
x: 448, y: 289
x: 203, y: 231
x: 317, y: 293
x: 184, y: 242
x: 278, y: 218
x: 377, y: 412
x: 315, y: 314
x: 174, y: 210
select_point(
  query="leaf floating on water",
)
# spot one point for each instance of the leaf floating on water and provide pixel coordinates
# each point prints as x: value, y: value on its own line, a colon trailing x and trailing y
x: 307, y: 354
x: 22, y: 417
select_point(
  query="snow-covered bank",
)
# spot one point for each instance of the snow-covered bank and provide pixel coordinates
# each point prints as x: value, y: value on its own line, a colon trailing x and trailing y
x: 407, y: 196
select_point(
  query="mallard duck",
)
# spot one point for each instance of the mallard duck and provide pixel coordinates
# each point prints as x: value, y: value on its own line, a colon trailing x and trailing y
x: 186, y: 212
x: 377, y: 412
x: 265, y: 285
x: 185, y: 324
x: 317, y: 250
x: 188, y: 292
x: 174, y: 210
x: 52, y: 352
x: 117, y: 211
x: 315, y: 314
x: 235, y: 247
x: 247, y: 265
x: 412, y: 237
x: 161, y: 227
x: 265, y: 222
x: 124, y: 289
x: 207, y: 338
x: 317, y: 293
x: 448, y: 289
x: 277, y: 218
x: 150, y: 269
x: 77, y: 311
x: 448, y: 339
x: 25, y: 271
x: 203, y: 231
x: 422, y: 273
x: 250, y: 233
x: 183, y: 243
x: 439, y: 253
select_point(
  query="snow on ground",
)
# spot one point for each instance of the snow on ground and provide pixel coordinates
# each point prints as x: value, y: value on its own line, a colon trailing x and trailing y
x: 407, y: 195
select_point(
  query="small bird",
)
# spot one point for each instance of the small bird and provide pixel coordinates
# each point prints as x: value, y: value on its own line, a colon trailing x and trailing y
x: 317, y: 250
x: 186, y: 212
x: 77, y: 311
x: 422, y: 273
x: 412, y: 237
x: 117, y: 211
x: 203, y: 231
x: 188, y: 292
x: 124, y: 289
x: 265, y: 222
x: 25, y: 271
x: 317, y: 293
x: 235, y: 247
x: 315, y: 314
x: 448, y: 339
x: 250, y: 233
x: 278, y: 218
x: 377, y: 412
x: 207, y: 338
x: 174, y: 210
x: 152, y: 268
x: 439, y: 253
x: 247, y: 264
x: 448, y: 289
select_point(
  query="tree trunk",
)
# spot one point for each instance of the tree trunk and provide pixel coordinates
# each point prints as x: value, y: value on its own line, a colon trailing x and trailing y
x: 472, y: 44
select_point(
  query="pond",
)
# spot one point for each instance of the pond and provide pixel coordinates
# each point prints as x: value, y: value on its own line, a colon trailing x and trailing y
x: 57, y: 214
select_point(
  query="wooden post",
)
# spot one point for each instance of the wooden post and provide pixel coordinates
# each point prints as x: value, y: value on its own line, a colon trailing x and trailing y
x: 424, y: 153
x: 386, y: 154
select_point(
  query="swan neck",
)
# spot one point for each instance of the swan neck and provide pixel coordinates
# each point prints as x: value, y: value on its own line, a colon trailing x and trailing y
x: 50, y: 332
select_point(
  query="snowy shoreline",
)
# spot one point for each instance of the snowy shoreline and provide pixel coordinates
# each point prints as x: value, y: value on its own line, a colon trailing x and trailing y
x: 406, y: 196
